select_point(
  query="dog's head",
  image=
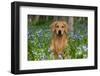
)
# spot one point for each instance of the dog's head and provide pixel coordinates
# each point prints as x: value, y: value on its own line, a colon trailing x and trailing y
x: 59, y: 27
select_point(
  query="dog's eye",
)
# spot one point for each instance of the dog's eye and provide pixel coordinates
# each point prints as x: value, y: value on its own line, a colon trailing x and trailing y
x: 57, y: 26
x: 62, y: 26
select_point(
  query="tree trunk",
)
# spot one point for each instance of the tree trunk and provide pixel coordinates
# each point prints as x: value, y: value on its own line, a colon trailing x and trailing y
x: 64, y: 18
x: 30, y: 18
x: 46, y: 18
x: 36, y: 19
x: 70, y: 23
x: 55, y: 18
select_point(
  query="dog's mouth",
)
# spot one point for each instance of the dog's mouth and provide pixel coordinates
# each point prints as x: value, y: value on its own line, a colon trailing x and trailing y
x: 59, y: 33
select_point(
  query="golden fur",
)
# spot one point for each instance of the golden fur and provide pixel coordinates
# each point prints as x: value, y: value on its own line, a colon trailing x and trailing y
x: 59, y: 37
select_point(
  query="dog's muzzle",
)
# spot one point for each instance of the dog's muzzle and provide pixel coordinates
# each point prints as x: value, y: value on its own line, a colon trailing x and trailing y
x: 59, y: 32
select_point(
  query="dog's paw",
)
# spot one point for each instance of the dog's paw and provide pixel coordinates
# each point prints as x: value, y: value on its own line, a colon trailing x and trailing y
x: 60, y: 57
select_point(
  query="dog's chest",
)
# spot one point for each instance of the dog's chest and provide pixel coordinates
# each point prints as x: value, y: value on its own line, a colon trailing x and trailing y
x: 60, y: 44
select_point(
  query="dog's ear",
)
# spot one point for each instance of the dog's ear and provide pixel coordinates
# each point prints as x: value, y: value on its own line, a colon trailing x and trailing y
x: 66, y: 26
x: 53, y: 26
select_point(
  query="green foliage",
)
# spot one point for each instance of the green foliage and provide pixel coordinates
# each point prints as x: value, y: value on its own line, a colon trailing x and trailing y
x: 39, y: 38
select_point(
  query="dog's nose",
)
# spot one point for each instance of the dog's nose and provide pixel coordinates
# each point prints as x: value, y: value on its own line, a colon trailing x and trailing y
x: 59, y: 31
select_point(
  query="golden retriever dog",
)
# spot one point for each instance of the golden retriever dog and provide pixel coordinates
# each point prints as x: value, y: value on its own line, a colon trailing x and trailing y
x: 59, y: 38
